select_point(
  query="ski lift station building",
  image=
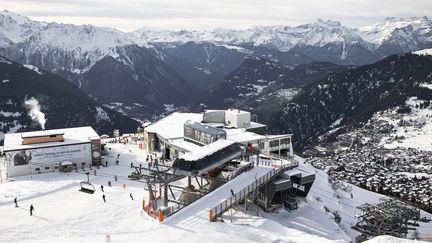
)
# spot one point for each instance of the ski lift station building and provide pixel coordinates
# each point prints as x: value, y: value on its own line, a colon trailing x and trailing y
x: 180, y: 133
x: 50, y: 150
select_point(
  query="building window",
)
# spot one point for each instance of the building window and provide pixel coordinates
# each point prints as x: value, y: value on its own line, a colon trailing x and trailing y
x: 274, y: 143
x: 37, y: 169
x: 47, y: 168
x: 285, y: 141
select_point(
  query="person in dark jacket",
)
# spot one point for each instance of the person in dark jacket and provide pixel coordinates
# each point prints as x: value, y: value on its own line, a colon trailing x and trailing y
x: 16, y: 202
x: 103, y: 197
x: 31, y: 210
x: 102, y: 188
x: 130, y: 195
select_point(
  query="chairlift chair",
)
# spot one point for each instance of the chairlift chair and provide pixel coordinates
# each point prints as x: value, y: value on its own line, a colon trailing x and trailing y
x: 86, y: 186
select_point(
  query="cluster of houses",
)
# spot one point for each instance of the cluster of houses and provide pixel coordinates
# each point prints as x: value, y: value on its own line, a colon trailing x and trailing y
x: 404, y: 173
x: 358, y: 157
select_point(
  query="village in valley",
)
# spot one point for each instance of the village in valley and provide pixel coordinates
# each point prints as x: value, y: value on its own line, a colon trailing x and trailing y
x: 382, y: 156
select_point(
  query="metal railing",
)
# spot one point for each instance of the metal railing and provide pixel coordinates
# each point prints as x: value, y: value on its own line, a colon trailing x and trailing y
x: 175, y: 208
x: 242, y: 169
x: 241, y: 195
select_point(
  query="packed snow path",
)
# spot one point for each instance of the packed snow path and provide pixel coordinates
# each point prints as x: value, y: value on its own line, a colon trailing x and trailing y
x: 198, y: 212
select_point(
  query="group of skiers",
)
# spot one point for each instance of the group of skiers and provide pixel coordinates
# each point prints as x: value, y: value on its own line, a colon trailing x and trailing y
x: 31, y: 206
x: 101, y: 187
x: 154, y: 162
x: 149, y: 160
x: 109, y: 184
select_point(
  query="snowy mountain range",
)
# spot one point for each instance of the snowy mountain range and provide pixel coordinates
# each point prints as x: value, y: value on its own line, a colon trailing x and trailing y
x: 319, y: 33
x: 62, y: 103
x: 159, y: 66
x: 91, y: 43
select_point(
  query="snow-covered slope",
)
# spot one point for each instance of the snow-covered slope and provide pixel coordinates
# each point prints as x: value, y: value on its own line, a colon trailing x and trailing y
x: 412, y: 33
x: 283, y: 38
x: 400, y: 34
x: 104, y: 63
x: 16, y: 27
x: 324, y: 32
x: 74, y: 48
x: 63, y: 214
x: 409, y: 29
x: 424, y: 52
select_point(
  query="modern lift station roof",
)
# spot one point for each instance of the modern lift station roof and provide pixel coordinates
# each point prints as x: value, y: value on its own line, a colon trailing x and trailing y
x: 207, y: 157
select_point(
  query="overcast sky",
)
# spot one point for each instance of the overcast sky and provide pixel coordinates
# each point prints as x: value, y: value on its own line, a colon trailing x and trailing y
x: 128, y: 15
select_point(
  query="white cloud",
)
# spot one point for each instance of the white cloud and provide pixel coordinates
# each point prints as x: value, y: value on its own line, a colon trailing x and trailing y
x: 176, y: 14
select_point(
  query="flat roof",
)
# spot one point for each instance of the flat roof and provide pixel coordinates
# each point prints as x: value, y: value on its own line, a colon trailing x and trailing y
x: 171, y: 126
x: 240, y: 135
x: 204, y: 151
x: 278, y: 136
x: 75, y: 135
x: 182, y: 144
x: 43, y: 133
x: 237, y: 111
x: 298, y: 170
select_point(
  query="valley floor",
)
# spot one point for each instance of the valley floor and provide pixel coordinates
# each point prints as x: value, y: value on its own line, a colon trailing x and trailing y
x: 63, y: 214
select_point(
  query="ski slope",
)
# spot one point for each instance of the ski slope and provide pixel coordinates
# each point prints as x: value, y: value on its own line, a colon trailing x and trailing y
x: 63, y: 214
x: 198, y: 212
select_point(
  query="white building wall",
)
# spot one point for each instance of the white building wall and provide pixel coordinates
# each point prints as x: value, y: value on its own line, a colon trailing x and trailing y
x: 214, y: 116
x: 41, y: 160
x: 237, y: 118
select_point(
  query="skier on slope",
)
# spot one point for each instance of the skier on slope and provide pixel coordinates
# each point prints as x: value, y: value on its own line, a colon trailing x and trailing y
x: 16, y: 202
x: 31, y: 209
x: 102, y: 188
x: 130, y: 195
x: 103, y: 197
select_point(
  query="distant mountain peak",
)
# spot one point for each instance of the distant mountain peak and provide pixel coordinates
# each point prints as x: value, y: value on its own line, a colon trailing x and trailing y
x: 328, y: 22
x: 17, y: 27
